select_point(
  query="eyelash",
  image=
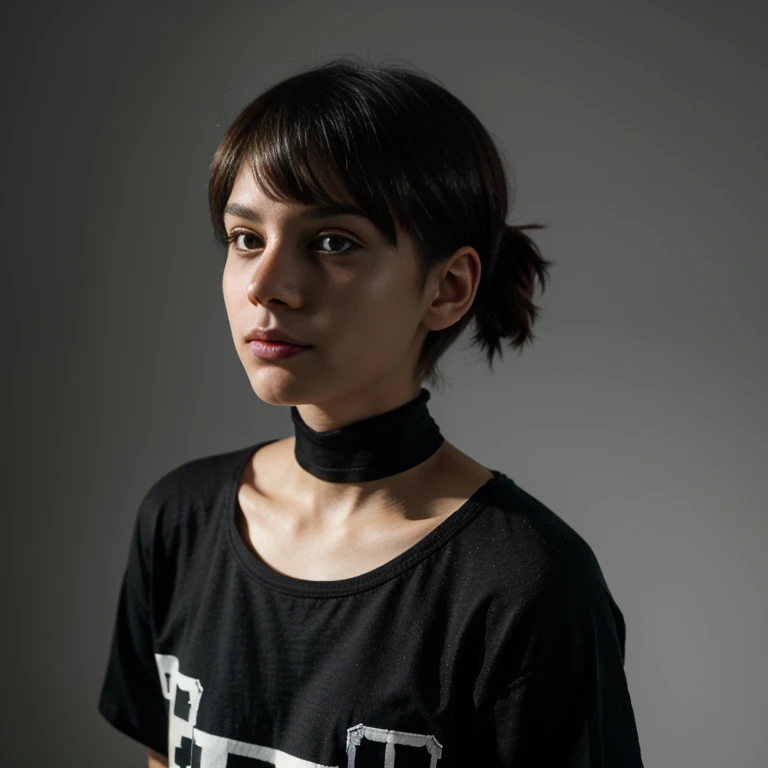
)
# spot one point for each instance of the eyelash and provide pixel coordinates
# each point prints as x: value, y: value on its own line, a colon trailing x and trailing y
x: 239, y: 233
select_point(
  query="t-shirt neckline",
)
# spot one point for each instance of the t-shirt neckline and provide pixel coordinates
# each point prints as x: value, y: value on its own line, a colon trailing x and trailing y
x: 279, y: 582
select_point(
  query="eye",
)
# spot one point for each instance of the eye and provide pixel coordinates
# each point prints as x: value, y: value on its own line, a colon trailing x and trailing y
x: 353, y: 246
x: 236, y: 236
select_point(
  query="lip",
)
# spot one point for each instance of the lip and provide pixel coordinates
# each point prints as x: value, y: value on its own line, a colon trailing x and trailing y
x: 269, y: 350
x: 273, y: 335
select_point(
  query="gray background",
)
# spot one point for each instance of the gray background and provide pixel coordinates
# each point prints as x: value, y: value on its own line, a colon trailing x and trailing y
x: 636, y: 132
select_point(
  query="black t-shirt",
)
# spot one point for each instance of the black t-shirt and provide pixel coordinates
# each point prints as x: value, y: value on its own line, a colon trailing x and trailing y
x: 493, y: 641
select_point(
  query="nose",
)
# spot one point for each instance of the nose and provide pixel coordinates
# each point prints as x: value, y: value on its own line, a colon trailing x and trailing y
x: 274, y: 275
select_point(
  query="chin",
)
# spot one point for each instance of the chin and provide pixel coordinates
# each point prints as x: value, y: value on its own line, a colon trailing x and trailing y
x: 278, y: 387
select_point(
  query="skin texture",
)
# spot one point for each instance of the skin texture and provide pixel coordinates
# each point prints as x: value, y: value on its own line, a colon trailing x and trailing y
x: 359, y: 309
x: 330, y: 547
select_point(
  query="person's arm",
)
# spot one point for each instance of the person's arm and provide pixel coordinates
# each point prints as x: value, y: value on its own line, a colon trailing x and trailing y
x: 156, y: 760
x: 132, y: 697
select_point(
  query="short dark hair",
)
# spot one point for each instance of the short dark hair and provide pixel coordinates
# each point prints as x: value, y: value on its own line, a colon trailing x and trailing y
x: 409, y: 152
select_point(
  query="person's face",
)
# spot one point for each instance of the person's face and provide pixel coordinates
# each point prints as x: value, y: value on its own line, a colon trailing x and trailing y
x: 332, y: 282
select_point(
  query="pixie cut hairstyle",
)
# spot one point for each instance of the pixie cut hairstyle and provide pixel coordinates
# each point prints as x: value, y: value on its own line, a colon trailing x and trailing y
x: 412, y: 157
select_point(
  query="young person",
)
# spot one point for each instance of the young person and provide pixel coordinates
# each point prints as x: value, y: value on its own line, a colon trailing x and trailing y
x: 364, y: 593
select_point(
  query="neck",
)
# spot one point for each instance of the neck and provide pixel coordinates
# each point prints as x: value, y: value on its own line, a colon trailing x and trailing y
x: 370, y: 462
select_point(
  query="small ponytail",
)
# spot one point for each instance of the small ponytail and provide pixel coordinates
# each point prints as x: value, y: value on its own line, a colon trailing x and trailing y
x: 505, y: 307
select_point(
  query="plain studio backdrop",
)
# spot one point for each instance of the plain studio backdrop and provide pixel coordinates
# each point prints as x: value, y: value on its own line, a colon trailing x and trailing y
x: 636, y: 132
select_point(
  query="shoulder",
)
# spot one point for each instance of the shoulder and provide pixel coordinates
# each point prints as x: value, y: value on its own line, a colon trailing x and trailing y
x: 185, y: 497
x: 543, y: 578
x: 550, y: 609
x: 529, y: 551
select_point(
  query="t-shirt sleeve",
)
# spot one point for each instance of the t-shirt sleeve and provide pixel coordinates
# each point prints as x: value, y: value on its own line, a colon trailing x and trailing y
x: 131, y: 696
x: 556, y: 692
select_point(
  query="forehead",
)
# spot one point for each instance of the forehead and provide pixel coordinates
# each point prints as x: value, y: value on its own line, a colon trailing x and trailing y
x: 248, y: 201
x: 246, y: 189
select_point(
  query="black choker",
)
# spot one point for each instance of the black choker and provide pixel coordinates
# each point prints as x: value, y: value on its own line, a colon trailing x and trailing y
x: 369, y: 449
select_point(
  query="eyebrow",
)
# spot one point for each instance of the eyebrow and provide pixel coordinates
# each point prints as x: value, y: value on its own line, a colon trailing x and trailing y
x: 313, y: 212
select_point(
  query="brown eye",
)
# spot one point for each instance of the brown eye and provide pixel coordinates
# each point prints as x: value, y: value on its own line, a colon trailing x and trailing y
x: 333, y: 237
x: 235, y: 236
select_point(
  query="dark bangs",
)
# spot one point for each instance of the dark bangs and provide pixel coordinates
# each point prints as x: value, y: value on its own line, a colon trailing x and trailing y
x: 392, y: 142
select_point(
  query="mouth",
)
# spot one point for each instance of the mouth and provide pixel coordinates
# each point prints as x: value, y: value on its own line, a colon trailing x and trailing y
x: 265, y: 343
x: 275, y: 350
x: 272, y: 336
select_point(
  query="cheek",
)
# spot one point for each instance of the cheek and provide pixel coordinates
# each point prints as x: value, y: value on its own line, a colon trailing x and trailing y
x: 227, y: 286
x: 234, y: 285
x: 229, y: 303
x: 379, y: 316
x: 232, y: 294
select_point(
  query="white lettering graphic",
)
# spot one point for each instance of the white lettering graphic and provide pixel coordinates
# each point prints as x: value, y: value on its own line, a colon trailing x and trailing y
x: 188, y: 746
